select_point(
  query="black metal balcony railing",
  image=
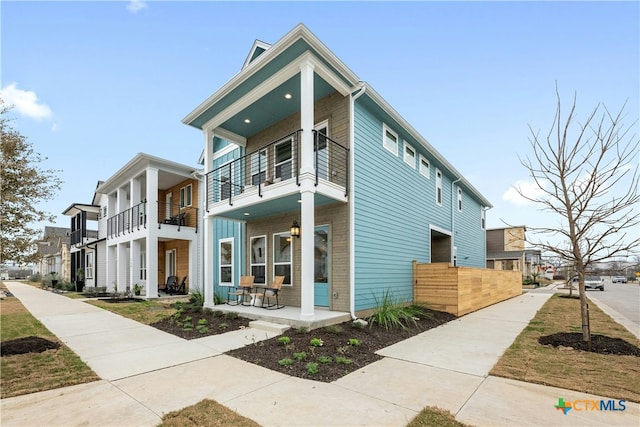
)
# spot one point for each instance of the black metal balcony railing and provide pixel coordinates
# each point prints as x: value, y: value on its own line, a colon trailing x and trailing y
x: 128, y: 220
x: 135, y: 218
x: 77, y: 236
x: 275, y: 162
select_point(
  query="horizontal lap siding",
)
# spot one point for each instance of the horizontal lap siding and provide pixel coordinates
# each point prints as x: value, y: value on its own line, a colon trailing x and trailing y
x: 470, y: 238
x: 391, y: 202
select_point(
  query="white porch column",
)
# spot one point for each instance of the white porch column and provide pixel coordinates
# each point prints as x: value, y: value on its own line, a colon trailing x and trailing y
x: 307, y: 194
x: 111, y: 261
x: 134, y: 262
x: 208, y: 260
x: 152, y: 233
x: 123, y: 265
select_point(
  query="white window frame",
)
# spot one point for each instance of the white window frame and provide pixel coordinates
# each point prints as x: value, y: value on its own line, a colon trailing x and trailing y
x: 426, y: 170
x: 483, y: 218
x: 259, y: 264
x: 222, y: 173
x: 182, y: 197
x: 411, y: 161
x: 438, y: 187
x: 459, y: 199
x: 88, y: 271
x: 171, y: 262
x: 284, y: 162
x: 323, y: 154
x: 186, y: 195
x: 259, y: 164
x: 392, y: 149
x: 220, y: 264
x: 290, y: 262
x: 143, y: 266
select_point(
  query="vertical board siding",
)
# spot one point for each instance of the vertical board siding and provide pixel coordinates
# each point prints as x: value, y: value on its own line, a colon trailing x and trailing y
x: 394, y: 208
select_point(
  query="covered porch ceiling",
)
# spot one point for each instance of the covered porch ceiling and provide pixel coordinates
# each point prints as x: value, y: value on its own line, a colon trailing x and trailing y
x: 280, y: 206
x: 279, y: 103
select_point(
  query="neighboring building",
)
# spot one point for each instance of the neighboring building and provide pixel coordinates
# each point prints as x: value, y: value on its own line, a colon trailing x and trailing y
x: 148, y: 225
x: 297, y: 137
x: 54, y: 252
x: 88, y: 252
x: 506, y: 251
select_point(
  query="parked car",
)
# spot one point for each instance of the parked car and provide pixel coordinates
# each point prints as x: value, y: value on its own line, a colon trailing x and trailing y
x: 618, y: 279
x: 590, y: 282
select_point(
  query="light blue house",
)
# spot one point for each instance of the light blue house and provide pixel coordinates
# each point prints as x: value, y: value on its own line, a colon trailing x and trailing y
x: 296, y: 138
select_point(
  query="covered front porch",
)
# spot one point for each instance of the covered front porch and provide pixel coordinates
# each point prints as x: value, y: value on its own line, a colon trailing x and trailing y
x: 285, y: 316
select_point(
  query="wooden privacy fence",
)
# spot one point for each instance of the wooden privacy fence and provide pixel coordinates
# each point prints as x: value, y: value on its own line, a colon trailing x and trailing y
x: 461, y: 290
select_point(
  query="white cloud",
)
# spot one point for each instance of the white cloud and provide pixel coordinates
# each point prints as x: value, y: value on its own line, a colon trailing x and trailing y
x: 25, y: 102
x: 136, y: 5
x: 528, y: 188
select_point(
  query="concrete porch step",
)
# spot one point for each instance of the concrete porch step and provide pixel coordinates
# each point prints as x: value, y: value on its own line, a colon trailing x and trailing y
x: 268, y: 326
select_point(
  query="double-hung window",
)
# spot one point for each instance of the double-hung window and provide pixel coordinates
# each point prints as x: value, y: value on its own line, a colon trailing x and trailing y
x: 409, y: 155
x: 88, y: 271
x: 224, y: 178
x: 185, y: 196
x: 459, y: 199
x: 438, y: 187
x: 259, y: 259
x: 483, y: 218
x: 390, y: 140
x: 143, y: 266
x: 284, y: 159
x: 282, y: 256
x: 424, y: 167
x: 258, y: 167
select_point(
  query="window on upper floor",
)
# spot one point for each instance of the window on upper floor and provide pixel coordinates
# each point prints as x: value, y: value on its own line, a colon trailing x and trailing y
x: 186, y: 194
x: 483, y: 218
x: 438, y: 187
x: 425, y: 168
x: 390, y: 140
x: 459, y: 199
x: 104, y: 212
x: 409, y: 155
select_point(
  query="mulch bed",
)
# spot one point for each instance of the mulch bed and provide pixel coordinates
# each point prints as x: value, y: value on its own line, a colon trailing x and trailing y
x: 120, y: 300
x: 27, y: 345
x: 600, y: 344
x: 192, y: 323
x: 338, y: 355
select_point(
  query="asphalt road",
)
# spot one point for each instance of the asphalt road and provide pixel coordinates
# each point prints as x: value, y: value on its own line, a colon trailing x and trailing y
x: 624, y: 299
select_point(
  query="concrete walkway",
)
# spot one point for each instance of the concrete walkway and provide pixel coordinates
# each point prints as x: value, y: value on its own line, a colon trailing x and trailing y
x: 147, y: 373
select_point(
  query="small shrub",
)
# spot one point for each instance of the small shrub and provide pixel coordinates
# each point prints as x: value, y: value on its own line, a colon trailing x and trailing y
x: 285, y: 362
x: 231, y: 315
x: 223, y: 325
x: 316, y: 342
x: 188, y: 319
x: 197, y: 297
x: 187, y: 326
x: 333, y: 329
x: 392, y: 313
x: 284, y: 340
x: 219, y: 299
x: 354, y: 342
x: 203, y: 329
x: 300, y: 355
x: 202, y: 322
x: 325, y: 359
x: 218, y: 313
x: 312, y: 368
x: 343, y: 360
x: 302, y: 330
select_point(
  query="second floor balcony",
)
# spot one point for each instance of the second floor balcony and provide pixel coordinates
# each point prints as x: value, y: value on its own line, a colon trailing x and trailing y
x: 135, y: 218
x: 277, y: 162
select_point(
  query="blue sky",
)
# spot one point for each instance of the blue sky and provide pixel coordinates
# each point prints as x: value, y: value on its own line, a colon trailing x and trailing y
x: 95, y: 83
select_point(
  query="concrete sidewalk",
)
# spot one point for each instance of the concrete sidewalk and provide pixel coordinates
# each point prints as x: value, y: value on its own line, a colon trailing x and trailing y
x: 148, y: 373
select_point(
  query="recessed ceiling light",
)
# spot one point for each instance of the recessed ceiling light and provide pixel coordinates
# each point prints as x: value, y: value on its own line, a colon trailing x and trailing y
x: 247, y: 121
x: 287, y: 96
x: 247, y: 214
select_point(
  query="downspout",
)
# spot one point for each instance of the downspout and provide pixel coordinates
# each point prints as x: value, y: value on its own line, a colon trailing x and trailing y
x: 352, y: 234
x: 454, y: 201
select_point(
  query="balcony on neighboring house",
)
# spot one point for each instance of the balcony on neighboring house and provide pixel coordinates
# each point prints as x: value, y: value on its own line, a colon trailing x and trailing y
x: 83, y: 236
x: 135, y: 218
x: 274, y: 165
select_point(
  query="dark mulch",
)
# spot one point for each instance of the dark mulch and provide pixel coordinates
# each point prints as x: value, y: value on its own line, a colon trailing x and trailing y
x: 600, y: 344
x: 193, y: 323
x: 27, y: 345
x: 120, y: 300
x: 335, y: 345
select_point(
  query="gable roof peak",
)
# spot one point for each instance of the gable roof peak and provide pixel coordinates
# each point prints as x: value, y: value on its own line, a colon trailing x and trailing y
x: 258, y: 48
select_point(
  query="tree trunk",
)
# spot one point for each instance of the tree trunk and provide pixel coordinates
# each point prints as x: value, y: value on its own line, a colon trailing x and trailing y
x: 584, y: 310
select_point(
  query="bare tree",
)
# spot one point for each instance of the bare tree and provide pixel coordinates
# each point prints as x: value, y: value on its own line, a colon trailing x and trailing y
x: 585, y: 175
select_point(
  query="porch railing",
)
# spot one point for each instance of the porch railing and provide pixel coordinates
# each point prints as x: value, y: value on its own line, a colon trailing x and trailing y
x: 128, y: 220
x: 77, y: 236
x: 276, y: 162
x: 135, y: 218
